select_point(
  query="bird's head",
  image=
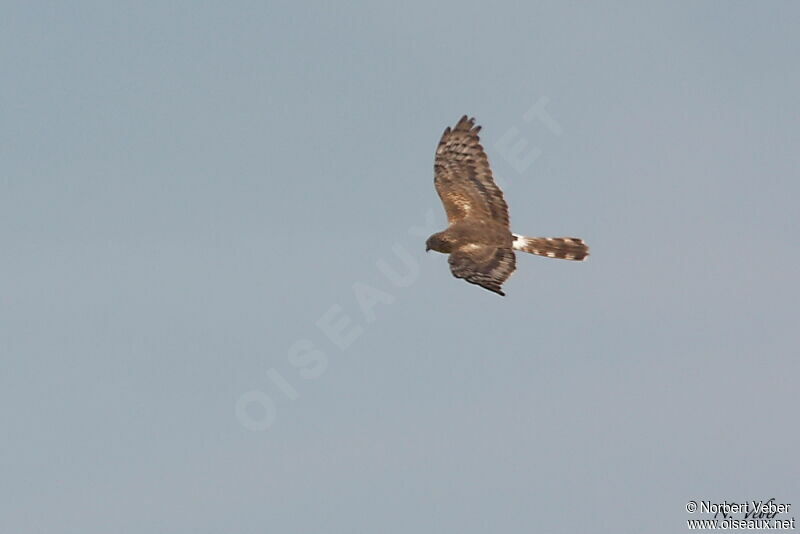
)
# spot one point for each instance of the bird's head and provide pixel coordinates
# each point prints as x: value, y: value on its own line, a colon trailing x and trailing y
x: 439, y: 243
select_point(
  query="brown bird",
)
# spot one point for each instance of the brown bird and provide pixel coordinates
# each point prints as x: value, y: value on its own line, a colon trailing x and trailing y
x: 478, y: 238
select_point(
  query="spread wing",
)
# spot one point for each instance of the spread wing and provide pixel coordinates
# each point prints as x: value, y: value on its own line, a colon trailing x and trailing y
x: 463, y: 177
x: 484, y: 265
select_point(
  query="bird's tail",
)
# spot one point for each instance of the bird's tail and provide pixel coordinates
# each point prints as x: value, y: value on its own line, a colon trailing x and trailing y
x: 564, y: 248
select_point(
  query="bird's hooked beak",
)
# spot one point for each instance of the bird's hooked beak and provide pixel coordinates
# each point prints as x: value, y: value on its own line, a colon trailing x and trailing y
x: 427, y: 248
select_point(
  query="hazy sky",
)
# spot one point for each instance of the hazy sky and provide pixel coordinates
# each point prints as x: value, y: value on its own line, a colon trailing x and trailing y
x: 216, y: 310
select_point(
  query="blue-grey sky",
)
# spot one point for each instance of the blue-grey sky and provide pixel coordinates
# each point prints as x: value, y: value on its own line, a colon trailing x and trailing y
x: 200, y: 203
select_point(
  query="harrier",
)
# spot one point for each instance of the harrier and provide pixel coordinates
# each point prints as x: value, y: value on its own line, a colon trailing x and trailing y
x: 479, y: 238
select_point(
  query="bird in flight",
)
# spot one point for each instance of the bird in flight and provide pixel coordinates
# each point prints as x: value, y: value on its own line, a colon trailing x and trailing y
x: 478, y: 237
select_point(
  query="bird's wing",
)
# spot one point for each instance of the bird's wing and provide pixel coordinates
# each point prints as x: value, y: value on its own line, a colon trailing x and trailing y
x: 484, y: 265
x: 463, y: 177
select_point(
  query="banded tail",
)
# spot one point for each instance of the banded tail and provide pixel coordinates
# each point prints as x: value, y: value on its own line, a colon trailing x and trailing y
x: 564, y: 248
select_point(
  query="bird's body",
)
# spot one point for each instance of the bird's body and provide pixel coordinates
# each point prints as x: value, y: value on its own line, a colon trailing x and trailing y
x: 473, y: 231
x: 478, y: 238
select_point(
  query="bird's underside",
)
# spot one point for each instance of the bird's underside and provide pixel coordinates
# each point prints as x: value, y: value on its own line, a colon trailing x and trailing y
x: 478, y: 238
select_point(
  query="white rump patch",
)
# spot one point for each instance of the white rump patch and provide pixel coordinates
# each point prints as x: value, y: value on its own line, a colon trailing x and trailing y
x: 520, y: 242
